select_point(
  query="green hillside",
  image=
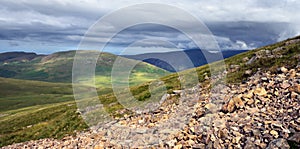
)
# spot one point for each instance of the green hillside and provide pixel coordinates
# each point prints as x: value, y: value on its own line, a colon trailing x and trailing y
x: 16, y: 94
x: 42, y: 120
x: 57, y: 67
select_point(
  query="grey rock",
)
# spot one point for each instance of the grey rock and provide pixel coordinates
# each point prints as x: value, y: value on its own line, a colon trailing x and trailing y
x: 251, y: 60
x: 278, y: 143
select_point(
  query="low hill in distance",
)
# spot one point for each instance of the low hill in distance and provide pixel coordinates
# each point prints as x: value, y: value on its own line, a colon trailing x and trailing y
x: 57, y: 67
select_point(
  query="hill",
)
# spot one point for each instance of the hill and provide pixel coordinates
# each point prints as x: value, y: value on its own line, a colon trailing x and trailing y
x: 196, y: 56
x: 262, y: 91
x: 15, y: 94
x: 57, y: 67
x: 17, y: 56
x: 35, y: 109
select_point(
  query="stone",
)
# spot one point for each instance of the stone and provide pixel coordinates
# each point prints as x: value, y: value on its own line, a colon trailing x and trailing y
x: 179, y: 146
x: 292, y: 73
x: 248, y: 72
x: 199, y: 146
x: 199, y: 112
x: 250, y: 145
x: 247, y: 128
x: 234, y: 128
x: 297, y: 88
x: 217, y: 144
x: 278, y: 143
x: 251, y: 60
x: 238, y: 102
x: 167, y: 131
x: 275, y: 124
x: 151, y: 125
x: 141, y: 130
x: 206, y: 77
x: 262, y: 145
x: 260, y: 91
x: 257, y: 142
x: 245, y: 59
x: 234, y: 66
x: 230, y: 106
x: 211, y: 107
x: 233, y: 103
x: 141, y: 121
x: 250, y: 102
x: 283, y: 70
x: 98, y: 146
x: 274, y: 133
x: 192, y: 130
x: 285, y: 85
x: 278, y: 49
x: 212, y: 137
x: 298, y: 120
x: 294, y: 95
x: 177, y: 92
x: 295, y: 138
x: 171, y: 143
x: 191, y: 142
x: 256, y: 132
x: 265, y: 79
x: 248, y: 95
x: 237, y: 139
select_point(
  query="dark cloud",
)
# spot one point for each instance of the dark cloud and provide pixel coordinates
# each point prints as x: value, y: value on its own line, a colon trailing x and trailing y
x: 255, y: 33
x: 60, y: 24
x: 14, y: 44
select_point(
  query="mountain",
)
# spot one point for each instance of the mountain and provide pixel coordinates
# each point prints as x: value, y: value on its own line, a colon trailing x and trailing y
x: 175, y: 61
x: 260, y: 108
x: 57, y: 67
x: 17, y: 56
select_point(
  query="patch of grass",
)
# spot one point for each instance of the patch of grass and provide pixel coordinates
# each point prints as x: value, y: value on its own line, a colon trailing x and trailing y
x: 11, y: 103
x: 43, y: 121
x: 15, y: 87
x: 16, y: 93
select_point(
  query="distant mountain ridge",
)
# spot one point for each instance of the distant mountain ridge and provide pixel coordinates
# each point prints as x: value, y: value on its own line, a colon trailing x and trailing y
x: 18, y: 56
x: 57, y: 67
x: 179, y: 63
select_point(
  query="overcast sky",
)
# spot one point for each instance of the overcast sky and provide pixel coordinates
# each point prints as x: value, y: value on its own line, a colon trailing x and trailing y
x: 45, y: 26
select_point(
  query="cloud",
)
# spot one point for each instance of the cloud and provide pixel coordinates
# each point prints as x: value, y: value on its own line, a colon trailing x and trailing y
x: 60, y: 24
x: 228, y: 44
x: 14, y: 44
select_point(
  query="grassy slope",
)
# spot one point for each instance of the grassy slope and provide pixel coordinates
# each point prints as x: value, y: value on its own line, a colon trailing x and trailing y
x: 287, y: 60
x: 16, y: 94
x: 42, y: 121
x: 35, y: 109
x: 56, y: 120
x: 57, y: 67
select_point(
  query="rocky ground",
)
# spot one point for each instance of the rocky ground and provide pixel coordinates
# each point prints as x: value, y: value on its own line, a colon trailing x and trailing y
x: 262, y: 112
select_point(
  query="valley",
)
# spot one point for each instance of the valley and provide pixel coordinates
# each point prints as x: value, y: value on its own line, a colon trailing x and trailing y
x: 40, y: 109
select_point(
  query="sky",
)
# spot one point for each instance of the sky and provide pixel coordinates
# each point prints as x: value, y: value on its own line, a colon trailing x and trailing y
x: 46, y: 26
